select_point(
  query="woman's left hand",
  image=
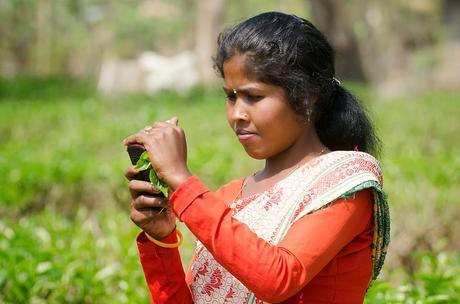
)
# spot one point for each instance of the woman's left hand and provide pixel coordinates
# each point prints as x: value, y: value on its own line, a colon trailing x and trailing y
x: 167, y: 149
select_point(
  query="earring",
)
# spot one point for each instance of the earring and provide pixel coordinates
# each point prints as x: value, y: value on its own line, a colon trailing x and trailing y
x: 309, y: 112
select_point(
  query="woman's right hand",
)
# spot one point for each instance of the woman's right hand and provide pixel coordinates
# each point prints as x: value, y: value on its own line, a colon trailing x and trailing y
x: 146, y: 208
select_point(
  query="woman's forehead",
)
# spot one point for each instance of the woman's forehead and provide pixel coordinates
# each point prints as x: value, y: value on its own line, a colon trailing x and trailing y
x: 236, y: 69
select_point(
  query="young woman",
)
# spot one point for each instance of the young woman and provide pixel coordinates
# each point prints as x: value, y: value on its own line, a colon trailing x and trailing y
x: 312, y: 226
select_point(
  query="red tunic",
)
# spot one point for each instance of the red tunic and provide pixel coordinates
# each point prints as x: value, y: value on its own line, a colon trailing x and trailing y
x: 325, y: 256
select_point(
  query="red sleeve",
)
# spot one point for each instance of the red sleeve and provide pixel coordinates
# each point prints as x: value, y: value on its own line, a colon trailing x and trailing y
x: 272, y: 273
x: 163, y: 271
x: 317, y: 238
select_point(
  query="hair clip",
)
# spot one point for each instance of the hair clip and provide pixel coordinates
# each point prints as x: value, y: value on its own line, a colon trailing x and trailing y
x: 336, y: 81
x: 298, y: 19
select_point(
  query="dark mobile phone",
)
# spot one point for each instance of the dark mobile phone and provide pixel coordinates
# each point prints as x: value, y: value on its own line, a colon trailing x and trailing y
x: 135, y: 152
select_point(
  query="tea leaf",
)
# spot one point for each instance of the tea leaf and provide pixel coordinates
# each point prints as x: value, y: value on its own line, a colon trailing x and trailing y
x: 143, y: 163
x: 158, y: 183
x: 164, y: 188
x: 153, y: 177
x: 144, y: 156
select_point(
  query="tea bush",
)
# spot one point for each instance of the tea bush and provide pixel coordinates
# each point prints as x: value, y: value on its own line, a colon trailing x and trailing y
x: 65, y: 233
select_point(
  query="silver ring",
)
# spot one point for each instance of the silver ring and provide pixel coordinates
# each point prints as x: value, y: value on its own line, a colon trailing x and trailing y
x: 147, y: 129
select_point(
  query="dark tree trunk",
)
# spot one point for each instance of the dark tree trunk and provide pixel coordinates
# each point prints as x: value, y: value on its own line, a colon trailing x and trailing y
x: 330, y: 16
x: 451, y: 18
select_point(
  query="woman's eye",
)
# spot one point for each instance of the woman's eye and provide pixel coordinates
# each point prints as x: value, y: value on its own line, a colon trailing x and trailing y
x: 254, y: 98
x: 231, y: 97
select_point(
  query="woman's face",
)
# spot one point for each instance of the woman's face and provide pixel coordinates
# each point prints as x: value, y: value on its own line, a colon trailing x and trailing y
x: 259, y: 113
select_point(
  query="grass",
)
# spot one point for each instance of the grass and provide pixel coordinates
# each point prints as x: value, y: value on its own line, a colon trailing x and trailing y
x: 65, y: 233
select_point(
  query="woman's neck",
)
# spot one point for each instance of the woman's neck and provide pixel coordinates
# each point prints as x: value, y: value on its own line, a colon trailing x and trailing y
x: 308, y: 147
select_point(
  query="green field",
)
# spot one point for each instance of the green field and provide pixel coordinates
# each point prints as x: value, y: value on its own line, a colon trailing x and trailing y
x: 65, y: 232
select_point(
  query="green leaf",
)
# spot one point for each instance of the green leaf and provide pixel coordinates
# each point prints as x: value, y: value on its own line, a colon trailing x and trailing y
x: 153, y: 177
x: 144, y: 156
x: 143, y: 163
x: 141, y: 166
x: 158, y: 183
x: 163, y: 188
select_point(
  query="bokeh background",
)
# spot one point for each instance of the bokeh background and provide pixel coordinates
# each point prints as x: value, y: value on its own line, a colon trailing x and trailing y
x: 77, y: 76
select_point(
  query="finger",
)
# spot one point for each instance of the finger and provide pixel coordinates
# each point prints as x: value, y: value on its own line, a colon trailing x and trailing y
x: 149, y: 214
x: 140, y: 217
x: 138, y: 138
x: 143, y: 187
x: 146, y: 202
x: 163, y: 124
x: 147, y: 129
x: 174, y: 121
x: 130, y: 172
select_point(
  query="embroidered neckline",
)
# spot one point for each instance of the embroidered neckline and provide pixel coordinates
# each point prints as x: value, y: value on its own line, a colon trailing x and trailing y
x: 272, y: 187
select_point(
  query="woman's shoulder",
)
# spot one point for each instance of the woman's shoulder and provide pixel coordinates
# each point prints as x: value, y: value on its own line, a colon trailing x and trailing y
x: 231, y: 189
x: 340, y: 154
x: 353, y: 163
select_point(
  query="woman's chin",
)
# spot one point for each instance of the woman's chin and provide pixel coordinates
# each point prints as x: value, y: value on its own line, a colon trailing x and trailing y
x: 255, y: 154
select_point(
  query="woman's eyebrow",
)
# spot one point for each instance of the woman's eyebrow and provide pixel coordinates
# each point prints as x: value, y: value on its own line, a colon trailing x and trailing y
x: 244, y: 90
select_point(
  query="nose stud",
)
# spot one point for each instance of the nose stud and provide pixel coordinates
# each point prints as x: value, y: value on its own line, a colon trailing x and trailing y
x: 234, y: 91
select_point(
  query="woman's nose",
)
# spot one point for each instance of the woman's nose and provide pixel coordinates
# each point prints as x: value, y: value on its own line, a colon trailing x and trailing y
x: 239, y: 112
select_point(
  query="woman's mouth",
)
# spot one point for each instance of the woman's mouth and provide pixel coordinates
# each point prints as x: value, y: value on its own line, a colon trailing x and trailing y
x: 244, y: 135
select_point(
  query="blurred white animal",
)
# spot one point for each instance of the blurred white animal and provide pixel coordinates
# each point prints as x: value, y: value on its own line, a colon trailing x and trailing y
x: 149, y: 73
x: 178, y: 72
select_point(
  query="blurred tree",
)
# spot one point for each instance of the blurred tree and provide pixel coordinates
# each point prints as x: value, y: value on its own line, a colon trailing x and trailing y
x: 209, y: 22
x: 384, y: 43
x: 449, y: 65
x: 451, y: 18
x: 72, y: 36
x: 43, y: 37
x: 16, y: 35
x: 389, y: 44
x: 336, y: 20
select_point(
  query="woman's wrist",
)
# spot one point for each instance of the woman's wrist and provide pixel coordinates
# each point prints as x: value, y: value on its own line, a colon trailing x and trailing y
x: 171, y: 241
x: 178, y: 179
x: 161, y: 235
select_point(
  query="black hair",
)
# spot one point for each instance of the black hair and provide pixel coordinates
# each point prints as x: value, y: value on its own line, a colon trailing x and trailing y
x: 290, y: 52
